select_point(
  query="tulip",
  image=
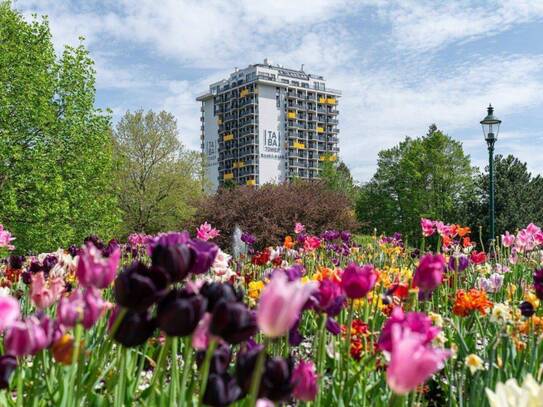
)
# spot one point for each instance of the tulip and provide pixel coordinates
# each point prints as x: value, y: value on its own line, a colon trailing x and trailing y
x: 9, y: 311
x: 427, y: 227
x: 175, y: 260
x: 206, y: 232
x: 304, y: 379
x: 233, y: 322
x: 84, y: 307
x: 45, y: 293
x: 280, y: 304
x: 357, y: 281
x: 458, y: 263
x: 63, y: 349
x: 6, y: 239
x: 215, y: 292
x: 220, y: 360
x: 8, y: 364
x: 25, y: 338
x: 201, y: 335
x: 95, y: 270
x: 527, y: 309
x: 204, y: 254
x: 429, y: 274
x: 139, y: 287
x: 277, y: 382
x: 221, y: 390
x: 16, y: 262
x: 508, y: 240
x: 412, y: 362
x: 414, y: 321
x: 245, y: 366
x: 299, y: 228
x: 180, y: 311
x: 134, y: 329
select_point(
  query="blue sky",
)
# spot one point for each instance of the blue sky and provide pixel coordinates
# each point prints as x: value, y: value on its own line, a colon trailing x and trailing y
x: 401, y: 64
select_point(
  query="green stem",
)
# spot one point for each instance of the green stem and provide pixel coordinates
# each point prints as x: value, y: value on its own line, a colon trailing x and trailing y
x: 320, y: 357
x: 204, y: 372
x: 175, y: 373
x: 160, y: 363
x: 121, y: 384
x: 187, y: 368
x: 20, y: 378
x: 72, y: 388
x: 396, y: 400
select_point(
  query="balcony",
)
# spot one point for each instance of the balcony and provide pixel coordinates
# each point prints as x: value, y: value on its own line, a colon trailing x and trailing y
x: 228, y: 176
x: 320, y: 129
x: 298, y: 146
x: 251, y: 182
x: 238, y: 164
x: 291, y: 115
x: 228, y: 137
x: 331, y: 101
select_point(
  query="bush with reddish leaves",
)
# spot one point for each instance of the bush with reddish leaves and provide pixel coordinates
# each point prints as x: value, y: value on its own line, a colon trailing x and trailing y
x: 270, y: 211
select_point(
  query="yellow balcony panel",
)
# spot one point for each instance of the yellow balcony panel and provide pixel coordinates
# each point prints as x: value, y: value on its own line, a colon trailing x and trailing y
x: 251, y: 182
x: 331, y: 101
x: 291, y: 115
x: 243, y: 93
x: 322, y: 100
x: 238, y: 164
x: 228, y: 176
x: 333, y: 157
x: 300, y: 146
x: 228, y: 137
x: 320, y: 129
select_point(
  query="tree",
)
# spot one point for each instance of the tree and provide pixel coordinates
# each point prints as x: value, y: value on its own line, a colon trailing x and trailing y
x: 424, y: 177
x: 55, y: 154
x: 516, y: 198
x: 158, y: 179
x: 337, y: 177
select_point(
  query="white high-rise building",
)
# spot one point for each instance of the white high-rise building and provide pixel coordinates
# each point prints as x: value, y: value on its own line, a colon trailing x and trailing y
x: 266, y: 123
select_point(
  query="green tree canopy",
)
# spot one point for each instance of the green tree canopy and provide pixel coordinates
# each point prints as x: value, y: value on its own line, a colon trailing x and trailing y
x: 517, y: 197
x: 158, y: 179
x: 337, y: 177
x: 55, y: 147
x: 424, y: 177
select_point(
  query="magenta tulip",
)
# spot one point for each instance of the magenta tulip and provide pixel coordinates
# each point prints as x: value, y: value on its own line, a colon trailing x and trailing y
x: 45, y: 293
x: 281, y: 303
x: 25, y: 338
x: 95, y: 270
x: 412, y: 361
x: 84, y: 307
x: 358, y: 281
x: 429, y: 274
x: 9, y: 311
x: 304, y: 379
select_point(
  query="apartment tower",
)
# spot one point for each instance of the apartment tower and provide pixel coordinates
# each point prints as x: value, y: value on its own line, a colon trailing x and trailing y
x: 267, y: 123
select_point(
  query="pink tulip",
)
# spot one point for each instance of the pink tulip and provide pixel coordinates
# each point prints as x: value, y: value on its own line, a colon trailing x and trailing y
x: 429, y: 274
x: 81, y: 307
x: 45, y: 293
x: 200, y: 336
x: 304, y: 379
x: 6, y: 239
x: 9, y: 311
x: 358, y: 281
x: 299, y: 228
x: 25, y: 338
x: 427, y: 227
x: 280, y: 304
x: 508, y: 240
x: 311, y: 243
x: 96, y: 270
x: 206, y: 232
x: 412, y: 361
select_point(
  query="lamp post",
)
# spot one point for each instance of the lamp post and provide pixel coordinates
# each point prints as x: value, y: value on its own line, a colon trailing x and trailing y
x: 491, y: 127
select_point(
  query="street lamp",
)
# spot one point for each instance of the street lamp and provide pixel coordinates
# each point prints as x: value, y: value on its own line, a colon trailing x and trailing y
x: 491, y: 127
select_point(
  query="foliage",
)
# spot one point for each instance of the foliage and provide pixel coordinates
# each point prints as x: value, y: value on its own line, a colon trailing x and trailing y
x: 424, y: 177
x: 55, y: 156
x: 337, y: 177
x: 158, y: 179
x: 517, y: 195
x: 270, y: 211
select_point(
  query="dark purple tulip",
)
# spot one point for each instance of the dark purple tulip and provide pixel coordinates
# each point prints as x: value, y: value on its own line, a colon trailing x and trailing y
x: 170, y: 239
x: 295, y: 272
x: 330, y: 235
x: 458, y: 263
x: 176, y: 260
x: 345, y: 236
x: 277, y: 379
x: 215, y: 292
x: 332, y: 326
x: 139, y: 287
x: 95, y: 240
x: 233, y: 322
x: 179, y: 312
x: 26, y: 277
x: 245, y: 366
x: 73, y: 250
x: 538, y: 283
x: 203, y: 254
x: 35, y: 266
x: 294, y: 335
x: 221, y: 390
x: 219, y: 361
x: 8, y: 364
x: 16, y: 262
x: 527, y: 309
x: 134, y: 329
x: 110, y: 248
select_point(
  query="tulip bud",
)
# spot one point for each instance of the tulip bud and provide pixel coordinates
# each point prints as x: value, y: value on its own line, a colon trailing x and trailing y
x: 203, y: 254
x: 304, y: 379
x: 357, y: 281
x: 134, y: 329
x: 63, y: 349
x: 180, y: 311
x: 176, y: 260
x: 233, y: 322
x: 221, y: 390
x: 277, y: 378
x: 215, y: 292
x: 8, y: 364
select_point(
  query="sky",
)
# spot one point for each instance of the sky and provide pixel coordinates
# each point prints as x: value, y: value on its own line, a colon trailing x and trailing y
x: 401, y: 64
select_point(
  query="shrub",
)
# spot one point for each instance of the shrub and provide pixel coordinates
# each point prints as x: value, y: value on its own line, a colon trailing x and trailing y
x: 269, y: 212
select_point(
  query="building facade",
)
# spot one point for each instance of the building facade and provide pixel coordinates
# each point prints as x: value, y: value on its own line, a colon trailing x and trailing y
x: 266, y: 124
